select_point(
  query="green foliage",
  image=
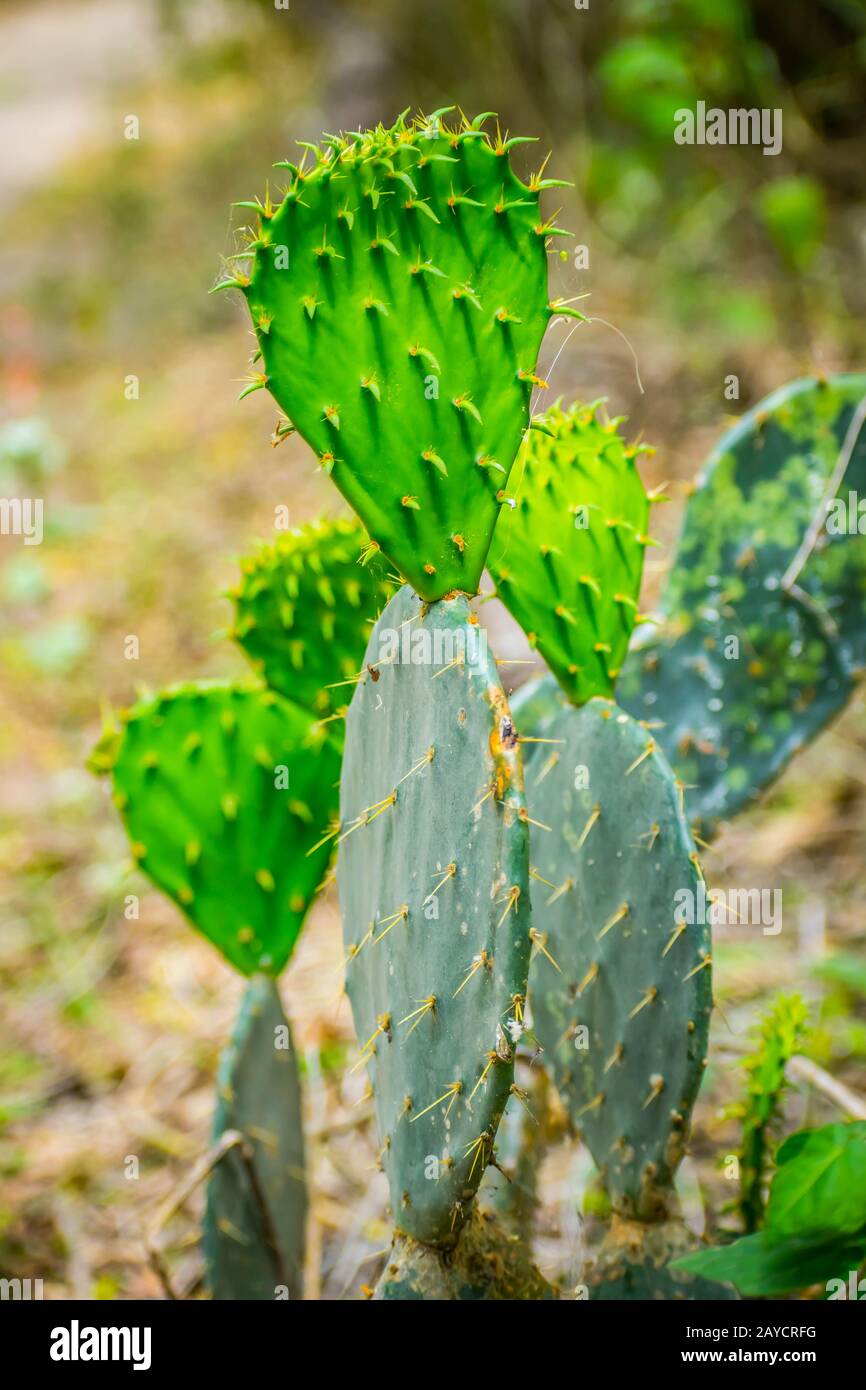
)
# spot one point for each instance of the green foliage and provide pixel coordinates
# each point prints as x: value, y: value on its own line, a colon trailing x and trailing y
x: 820, y: 1187
x: 304, y: 606
x: 567, y: 559
x: 792, y: 209
x: 254, y: 1221
x: 622, y: 1008
x: 782, y: 1033
x: 399, y: 297
x: 758, y: 1268
x: 223, y: 790
x: 816, y: 1219
x: 434, y: 890
x: 762, y: 636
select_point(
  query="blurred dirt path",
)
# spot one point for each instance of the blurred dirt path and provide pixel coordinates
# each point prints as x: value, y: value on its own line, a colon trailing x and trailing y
x: 59, y: 62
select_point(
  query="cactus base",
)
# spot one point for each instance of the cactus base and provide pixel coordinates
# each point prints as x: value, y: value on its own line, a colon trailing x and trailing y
x: 487, y: 1264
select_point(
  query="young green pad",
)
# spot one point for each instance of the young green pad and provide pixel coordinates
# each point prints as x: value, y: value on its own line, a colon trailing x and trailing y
x: 763, y: 632
x: 254, y: 1223
x: 624, y: 1019
x: 304, y: 607
x: 567, y: 559
x: 399, y: 297
x: 434, y: 890
x: 223, y: 790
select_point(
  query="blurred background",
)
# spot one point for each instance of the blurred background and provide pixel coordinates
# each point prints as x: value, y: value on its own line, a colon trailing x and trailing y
x: 120, y: 378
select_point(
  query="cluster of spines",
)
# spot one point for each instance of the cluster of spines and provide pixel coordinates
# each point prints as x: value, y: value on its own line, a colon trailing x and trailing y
x: 379, y: 146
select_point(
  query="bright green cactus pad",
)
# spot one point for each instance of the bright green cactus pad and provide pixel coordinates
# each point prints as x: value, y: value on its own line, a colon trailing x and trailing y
x: 762, y: 637
x: 624, y: 1020
x: 433, y: 875
x: 199, y: 777
x: 304, y: 609
x: 399, y: 296
x: 567, y: 559
x: 254, y: 1227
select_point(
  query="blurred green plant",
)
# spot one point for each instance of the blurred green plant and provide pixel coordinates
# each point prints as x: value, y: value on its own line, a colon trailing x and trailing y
x: 815, y: 1229
x: 782, y: 1033
x: 794, y: 214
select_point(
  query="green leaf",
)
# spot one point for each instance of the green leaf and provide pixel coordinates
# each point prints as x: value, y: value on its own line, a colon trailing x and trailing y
x: 820, y: 1186
x: 758, y: 1269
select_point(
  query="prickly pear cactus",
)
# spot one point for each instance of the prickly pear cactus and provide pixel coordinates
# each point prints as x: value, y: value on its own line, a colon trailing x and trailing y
x: 304, y: 607
x: 763, y: 626
x: 624, y: 1021
x: 223, y: 790
x: 567, y: 559
x: 434, y: 890
x: 398, y: 291
x: 254, y: 1222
